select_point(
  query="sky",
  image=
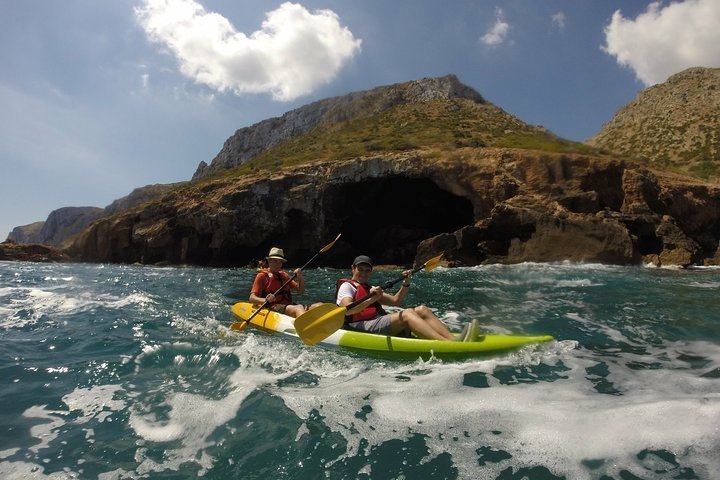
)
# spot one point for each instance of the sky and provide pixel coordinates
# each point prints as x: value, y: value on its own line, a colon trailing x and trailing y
x: 100, y: 97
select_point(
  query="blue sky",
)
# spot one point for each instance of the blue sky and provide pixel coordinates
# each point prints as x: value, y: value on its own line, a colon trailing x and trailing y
x: 101, y: 97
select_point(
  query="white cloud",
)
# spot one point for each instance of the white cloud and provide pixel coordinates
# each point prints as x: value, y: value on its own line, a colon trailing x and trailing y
x: 558, y: 20
x: 665, y: 40
x: 498, y: 33
x: 293, y: 53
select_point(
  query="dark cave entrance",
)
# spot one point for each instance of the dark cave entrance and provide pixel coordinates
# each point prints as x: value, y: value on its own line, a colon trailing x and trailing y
x: 387, y: 218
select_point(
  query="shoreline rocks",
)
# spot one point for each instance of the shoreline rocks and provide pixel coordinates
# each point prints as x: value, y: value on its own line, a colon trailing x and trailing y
x: 480, y: 206
x: 11, y: 251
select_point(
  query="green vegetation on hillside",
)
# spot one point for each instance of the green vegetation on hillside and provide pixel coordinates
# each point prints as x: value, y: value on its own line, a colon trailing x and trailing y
x: 674, y: 125
x: 439, y: 125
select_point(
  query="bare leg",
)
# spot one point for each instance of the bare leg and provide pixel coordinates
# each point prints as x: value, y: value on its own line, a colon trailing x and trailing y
x: 409, y: 318
x: 294, y: 310
x: 432, y: 320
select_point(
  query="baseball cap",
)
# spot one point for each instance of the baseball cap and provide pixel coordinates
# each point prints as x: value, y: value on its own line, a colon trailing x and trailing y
x: 362, y: 259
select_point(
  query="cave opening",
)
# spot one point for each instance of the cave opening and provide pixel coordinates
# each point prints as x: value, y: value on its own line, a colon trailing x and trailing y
x: 386, y: 218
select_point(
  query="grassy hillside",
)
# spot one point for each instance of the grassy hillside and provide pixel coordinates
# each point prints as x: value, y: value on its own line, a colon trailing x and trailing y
x: 674, y: 125
x: 441, y: 125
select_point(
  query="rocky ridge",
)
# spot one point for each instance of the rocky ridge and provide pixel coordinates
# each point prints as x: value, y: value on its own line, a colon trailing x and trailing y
x: 408, y: 171
x: 249, y: 142
x: 61, y: 224
x: 674, y: 125
x: 65, y: 222
x: 10, y: 250
x: 476, y: 206
x: 26, y: 233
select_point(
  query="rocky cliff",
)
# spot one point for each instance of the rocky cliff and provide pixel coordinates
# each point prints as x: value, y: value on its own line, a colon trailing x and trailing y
x: 10, y: 250
x: 60, y: 225
x: 250, y: 142
x: 408, y: 171
x: 673, y: 125
x: 139, y: 196
x: 26, y: 233
x: 476, y: 205
x: 65, y: 222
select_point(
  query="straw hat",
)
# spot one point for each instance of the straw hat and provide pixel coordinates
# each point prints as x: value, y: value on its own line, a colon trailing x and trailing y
x: 277, y: 253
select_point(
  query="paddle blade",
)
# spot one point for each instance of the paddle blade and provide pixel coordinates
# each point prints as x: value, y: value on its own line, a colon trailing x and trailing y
x: 319, y: 323
x: 432, y: 263
x: 329, y: 245
x: 239, y: 325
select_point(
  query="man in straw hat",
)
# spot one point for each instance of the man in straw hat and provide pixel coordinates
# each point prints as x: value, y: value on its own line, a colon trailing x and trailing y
x: 268, y: 282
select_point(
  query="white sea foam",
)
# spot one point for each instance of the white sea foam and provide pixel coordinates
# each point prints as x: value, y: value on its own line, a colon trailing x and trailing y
x: 8, y: 452
x: 583, y: 282
x: 191, y: 419
x: 45, y: 430
x: 24, y: 471
x: 591, y: 326
x: 95, y: 402
x: 710, y: 285
x: 52, y: 303
x: 558, y: 424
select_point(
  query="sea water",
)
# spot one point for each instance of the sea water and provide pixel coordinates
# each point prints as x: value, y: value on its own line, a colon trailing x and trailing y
x: 125, y: 372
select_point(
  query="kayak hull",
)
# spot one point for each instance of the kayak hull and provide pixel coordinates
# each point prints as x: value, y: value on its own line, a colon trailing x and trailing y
x: 386, y: 346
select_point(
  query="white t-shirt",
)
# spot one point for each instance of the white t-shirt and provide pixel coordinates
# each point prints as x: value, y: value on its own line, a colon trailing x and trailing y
x: 346, y: 290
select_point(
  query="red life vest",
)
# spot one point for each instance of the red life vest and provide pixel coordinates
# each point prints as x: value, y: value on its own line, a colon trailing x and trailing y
x: 272, y: 283
x: 374, y: 310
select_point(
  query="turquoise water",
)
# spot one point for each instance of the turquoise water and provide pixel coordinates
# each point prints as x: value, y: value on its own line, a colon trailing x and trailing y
x: 125, y: 372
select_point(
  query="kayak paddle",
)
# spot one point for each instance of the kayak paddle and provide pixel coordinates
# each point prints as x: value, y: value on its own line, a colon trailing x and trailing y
x: 322, y: 321
x: 242, y: 324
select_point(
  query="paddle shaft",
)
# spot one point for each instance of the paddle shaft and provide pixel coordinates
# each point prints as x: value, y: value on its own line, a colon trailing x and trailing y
x: 385, y: 286
x: 320, y: 322
x: 287, y: 282
x: 390, y: 283
x: 293, y: 277
x: 266, y: 303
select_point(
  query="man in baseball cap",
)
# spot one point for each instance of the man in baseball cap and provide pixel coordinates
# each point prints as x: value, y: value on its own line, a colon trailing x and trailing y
x: 369, y: 316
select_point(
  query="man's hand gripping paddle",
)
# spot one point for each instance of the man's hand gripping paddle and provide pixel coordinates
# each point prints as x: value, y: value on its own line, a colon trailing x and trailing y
x: 322, y: 321
x: 242, y: 324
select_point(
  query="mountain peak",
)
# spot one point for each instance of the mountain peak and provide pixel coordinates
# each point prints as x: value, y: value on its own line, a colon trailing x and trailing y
x: 249, y: 142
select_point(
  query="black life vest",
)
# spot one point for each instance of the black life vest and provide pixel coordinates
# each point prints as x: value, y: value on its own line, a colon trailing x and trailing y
x: 361, y: 290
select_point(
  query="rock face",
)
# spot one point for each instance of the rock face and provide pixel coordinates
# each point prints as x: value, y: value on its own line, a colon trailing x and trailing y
x: 31, y: 253
x: 415, y: 169
x: 60, y: 224
x: 249, y: 142
x: 65, y: 222
x: 674, y: 124
x: 26, y: 233
x: 477, y: 206
x: 140, y: 195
